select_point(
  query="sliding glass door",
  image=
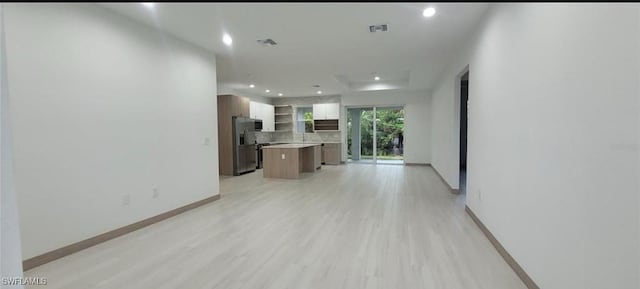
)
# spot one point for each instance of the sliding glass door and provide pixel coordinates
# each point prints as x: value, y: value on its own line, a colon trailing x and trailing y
x: 389, y: 135
x: 375, y: 134
x: 360, y: 144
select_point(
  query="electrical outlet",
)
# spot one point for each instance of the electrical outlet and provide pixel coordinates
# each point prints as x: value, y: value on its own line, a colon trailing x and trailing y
x: 480, y: 195
x: 206, y: 141
x: 283, y: 156
x: 126, y: 199
x: 156, y: 193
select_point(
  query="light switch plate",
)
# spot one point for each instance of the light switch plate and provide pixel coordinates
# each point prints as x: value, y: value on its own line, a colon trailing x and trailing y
x: 283, y: 156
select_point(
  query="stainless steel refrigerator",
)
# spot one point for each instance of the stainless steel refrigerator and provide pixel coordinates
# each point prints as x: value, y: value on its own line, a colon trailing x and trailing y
x: 244, y: 145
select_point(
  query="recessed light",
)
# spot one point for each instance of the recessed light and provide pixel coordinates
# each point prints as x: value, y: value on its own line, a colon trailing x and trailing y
x: 252, y: 85
x: 227, y: 40
x: 267, y: 91
x: 428, y: 12
x: 280, y: 94
x: 377, y: 78
x: 148, y: 4
x: 319, y: 92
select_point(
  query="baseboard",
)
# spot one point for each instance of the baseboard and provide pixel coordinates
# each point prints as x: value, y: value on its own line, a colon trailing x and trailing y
x: 418, y: 164
x: 503, y: 252
x: 81, y: 245
x: 452, y: 190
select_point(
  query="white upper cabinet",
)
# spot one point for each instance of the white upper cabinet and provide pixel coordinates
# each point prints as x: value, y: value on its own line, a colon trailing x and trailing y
x: 319, y: 111
x: 269, y: 122
x: 253, y: 109
x: 324, y: 111
x: 264, y: 112
x: 332, y: 110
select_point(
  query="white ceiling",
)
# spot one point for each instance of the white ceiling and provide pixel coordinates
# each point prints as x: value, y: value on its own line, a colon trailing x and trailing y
x: 318, y: 43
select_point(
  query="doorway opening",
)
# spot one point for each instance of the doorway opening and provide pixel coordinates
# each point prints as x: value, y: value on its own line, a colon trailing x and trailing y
x: 375, y: 135
x: 464, y: 116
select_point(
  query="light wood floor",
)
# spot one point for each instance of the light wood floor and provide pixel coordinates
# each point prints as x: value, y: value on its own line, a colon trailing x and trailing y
x: 350, y: 226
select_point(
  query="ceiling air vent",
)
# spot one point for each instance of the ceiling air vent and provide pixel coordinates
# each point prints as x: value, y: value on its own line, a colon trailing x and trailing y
x: 376, y: 28
x: 267, y: 42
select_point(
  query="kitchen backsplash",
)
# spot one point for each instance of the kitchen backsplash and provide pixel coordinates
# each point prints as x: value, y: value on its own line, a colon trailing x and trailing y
x: 294, y: 137
x: 264, y: 137
x: 317, y: 137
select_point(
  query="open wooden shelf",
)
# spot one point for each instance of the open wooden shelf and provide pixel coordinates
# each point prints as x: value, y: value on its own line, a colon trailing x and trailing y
x: 283, y: 109
x: 283, y: 118
x: 325, y: 125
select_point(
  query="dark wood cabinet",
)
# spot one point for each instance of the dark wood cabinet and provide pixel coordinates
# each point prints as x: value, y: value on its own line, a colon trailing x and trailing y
x: 228, y: 106
x: 332, y: 153
x: 240, y: 106
x: 325, y: 125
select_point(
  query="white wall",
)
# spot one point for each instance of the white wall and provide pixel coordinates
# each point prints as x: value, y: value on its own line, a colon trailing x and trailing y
x: 444, y: 127
x: 10, y: 252
x: 102, y: 107
x: 638, y: 155
x: 417, y: 121
x: 228, y: 89
x: 554, y: 135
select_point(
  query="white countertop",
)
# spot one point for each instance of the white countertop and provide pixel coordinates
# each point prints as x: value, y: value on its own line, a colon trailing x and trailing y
x: 291, y: 142
x: 291, y: 146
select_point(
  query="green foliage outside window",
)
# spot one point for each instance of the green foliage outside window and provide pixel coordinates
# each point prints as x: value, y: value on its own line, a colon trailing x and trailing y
x: 389, y: 135
x: 308, y: 121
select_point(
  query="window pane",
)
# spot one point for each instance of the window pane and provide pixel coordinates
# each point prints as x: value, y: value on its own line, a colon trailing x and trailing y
x: 304, y: 119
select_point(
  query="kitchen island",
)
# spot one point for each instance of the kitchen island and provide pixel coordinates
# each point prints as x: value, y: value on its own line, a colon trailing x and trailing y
x: 287, y: 161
